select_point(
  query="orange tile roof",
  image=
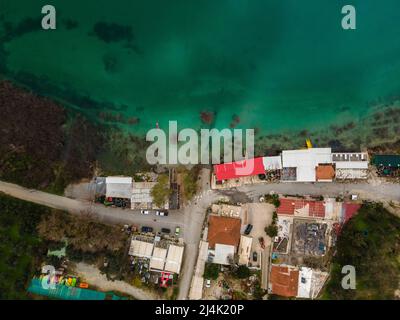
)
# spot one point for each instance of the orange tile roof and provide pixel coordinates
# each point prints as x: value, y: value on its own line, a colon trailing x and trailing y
x: 288, y: 206
x: 284, y: 281
x: 325, y: 172
x: 223, y: 230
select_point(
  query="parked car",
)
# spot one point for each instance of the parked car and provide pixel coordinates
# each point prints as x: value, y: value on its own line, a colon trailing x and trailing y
x: 255, y: 256
x: 177, y: 231
x: 262, y: 242
x: 147, y: 229
x: 208, y: 283
x: 162, y: 213
x: 144, y: 211
x: 165, y: 230
x: 248, y: 229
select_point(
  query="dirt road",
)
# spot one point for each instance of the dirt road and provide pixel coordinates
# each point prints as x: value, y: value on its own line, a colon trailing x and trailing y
x: 99, y: 211
x: 92, y: 275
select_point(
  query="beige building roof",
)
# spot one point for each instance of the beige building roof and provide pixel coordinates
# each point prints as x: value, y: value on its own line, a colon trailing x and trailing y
x: 157, y: 261
x: 141, y: 248
x: 245, y: 249
x: 174, y: 259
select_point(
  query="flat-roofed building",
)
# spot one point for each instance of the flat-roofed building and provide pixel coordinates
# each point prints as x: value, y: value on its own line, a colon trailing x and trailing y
x: 174, y: 259
x: 163, y: 256
x: 352, y: 165
x: 245, y: 250
x: 141, y: 249
x: 119, y: 187
x: 272, y: 163
x: 238, y: 169
x: 222, y: 254
x: 157, y: 260
x: 304, y: 286
x: 300, y: 165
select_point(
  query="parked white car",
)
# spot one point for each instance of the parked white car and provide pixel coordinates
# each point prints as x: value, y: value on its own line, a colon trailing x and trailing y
x: 208, y: 283
x: 144, y: 211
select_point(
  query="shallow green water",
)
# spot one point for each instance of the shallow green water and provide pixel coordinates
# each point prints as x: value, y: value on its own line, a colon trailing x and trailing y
x: 276, y: 64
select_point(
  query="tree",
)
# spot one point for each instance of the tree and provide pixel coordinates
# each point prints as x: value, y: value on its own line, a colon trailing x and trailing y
x: 161, y: 191
x: 211, y: 271
x: 242, y: 272
x: 271, y: 230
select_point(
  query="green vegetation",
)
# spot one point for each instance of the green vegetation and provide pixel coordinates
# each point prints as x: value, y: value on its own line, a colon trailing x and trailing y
x: 189, y: 181
x: 273, y: 199
x: 371, y: 243
x: 211, y: 271
x: 82, y: 232
x: 89, y: 241
x: 48, y: 151
x: 20, y: 246
x: 272, y: 229
x: 161, y: 190
x: 242, y: 272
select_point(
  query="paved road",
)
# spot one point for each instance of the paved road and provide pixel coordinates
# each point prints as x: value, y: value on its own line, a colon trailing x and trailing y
x: 367, y: 191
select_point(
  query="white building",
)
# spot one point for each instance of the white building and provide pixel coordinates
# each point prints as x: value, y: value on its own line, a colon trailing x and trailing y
x: 141, y: 249
x: 351, y: 165
x: 161, y: 259
x: 305, y: 283
x: 119, y: 187
x: 174, y: 259
x: 222, y: 254
x: 272, y: 163
x: 302, y: 163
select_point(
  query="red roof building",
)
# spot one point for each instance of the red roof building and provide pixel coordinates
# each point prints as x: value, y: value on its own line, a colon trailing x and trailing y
x: 349, y: 210
x: 223, y: 230
x: 293, y: 206
x: 244, y: 168
x: 284, y: 281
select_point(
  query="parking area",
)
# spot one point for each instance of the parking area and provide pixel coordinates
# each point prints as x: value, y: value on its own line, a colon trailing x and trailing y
x: 260, y: 215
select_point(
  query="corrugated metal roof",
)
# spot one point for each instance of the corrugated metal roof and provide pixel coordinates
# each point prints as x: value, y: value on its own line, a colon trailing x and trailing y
x: 141, y: 248
x: 157, y: 260
x: 244, y: 168
x: 386, y: 160
x: 174, y: 259
x: 119, y: 187
x: 118, y: 179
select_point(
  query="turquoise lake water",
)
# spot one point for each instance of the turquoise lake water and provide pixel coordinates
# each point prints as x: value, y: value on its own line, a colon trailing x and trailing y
x: 276, y: 65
